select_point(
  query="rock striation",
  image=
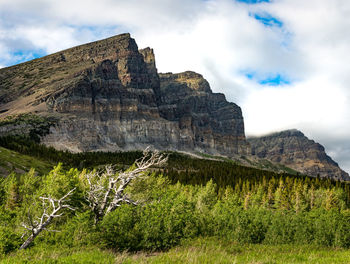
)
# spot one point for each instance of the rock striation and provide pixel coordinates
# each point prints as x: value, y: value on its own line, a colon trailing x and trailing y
x: 293, y: 149
x: 108, y: 95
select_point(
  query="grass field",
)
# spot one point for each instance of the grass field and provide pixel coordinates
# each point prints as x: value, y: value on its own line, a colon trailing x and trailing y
x: 201, y: 251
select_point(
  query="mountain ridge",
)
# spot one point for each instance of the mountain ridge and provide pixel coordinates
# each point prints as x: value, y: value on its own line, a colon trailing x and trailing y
x: 293, y: 149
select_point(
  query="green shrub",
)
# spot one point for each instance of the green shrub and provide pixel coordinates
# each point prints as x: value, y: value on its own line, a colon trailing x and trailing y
x: 165, y: 223
x: 9, y: 239
x: 117, y: 230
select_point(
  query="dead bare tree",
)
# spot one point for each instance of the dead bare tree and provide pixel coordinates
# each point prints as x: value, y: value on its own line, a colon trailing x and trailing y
x: 52, y: 208
x: 106, y: 190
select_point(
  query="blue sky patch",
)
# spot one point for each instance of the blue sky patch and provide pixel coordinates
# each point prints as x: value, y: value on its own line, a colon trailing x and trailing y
x: 271, y: 79
x: 20, y: 56
x: 254, y: 1
x: 29, y: 54
x: 267, y: 20
x: 250, y: 75
x: 275, y: 80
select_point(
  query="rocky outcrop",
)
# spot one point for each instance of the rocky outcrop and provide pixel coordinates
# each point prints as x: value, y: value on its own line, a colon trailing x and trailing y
x: 293, y: 149
x: 208, y: 120
x: 108, y: 96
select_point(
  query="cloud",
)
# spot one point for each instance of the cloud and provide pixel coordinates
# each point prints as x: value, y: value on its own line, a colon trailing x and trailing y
x: 285, y: 62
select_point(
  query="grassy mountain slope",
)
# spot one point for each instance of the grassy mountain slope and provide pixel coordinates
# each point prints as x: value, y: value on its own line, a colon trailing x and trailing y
x: 12, y: 161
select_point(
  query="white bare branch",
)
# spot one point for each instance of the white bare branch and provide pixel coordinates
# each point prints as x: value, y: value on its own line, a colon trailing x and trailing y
x: 106, y: 190
x: 55, y: 206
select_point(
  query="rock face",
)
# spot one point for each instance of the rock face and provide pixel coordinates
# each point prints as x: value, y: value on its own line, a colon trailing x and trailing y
x: 108, y: 95
x: 208, y: 120
x: 293, y: 149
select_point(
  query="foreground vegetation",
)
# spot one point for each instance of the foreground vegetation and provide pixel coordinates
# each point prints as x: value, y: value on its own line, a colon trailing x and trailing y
x: 197, y: 251
x: 172, y: 213
x: 191, y: 210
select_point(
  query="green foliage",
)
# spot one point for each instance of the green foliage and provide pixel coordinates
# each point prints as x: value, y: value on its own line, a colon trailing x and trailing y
x: 166, y: 222
x: 9, y: 240
x: 160, y: 224
x: 74, y: 231
x: 58, y: 181
x: 10, y: 185
x: 172, y: 213
x: 255, y: 187
x: 9, y: 237
x: 237, y: 224
x: 195, y: 198
x: 117, y: 229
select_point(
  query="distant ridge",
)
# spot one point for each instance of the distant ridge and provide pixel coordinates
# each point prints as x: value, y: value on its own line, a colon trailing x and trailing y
x: 293, y: 149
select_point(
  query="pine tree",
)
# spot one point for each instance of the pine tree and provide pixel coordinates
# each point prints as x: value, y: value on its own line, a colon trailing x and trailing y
x: 299, y: 199
x: 281, y: 196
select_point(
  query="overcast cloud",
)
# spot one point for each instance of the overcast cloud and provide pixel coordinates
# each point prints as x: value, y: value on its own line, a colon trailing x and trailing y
x: 285, y: 62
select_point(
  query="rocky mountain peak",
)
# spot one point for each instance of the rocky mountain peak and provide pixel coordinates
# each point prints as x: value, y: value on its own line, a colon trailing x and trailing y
x: 293, y: 149
x: 148, y: 56
x: 190, y: 79
x: 107, y: 95
x: 287, y: 133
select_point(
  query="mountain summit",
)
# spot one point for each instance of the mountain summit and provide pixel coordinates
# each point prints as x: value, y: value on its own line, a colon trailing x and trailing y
x: 108, y: 95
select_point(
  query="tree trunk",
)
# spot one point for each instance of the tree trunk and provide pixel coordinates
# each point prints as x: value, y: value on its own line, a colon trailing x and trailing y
x: 28, y: 241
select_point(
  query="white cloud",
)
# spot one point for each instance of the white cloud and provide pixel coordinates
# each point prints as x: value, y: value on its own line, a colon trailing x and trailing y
x: 219, y: 39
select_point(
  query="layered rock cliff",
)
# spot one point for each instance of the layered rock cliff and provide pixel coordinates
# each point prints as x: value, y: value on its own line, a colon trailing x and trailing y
x: 293, y: 149
x: 107, y: 95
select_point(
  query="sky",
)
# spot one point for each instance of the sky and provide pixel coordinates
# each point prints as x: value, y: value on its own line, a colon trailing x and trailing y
x: 285, y: 62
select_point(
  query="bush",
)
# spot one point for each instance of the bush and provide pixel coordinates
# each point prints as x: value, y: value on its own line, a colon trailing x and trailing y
x: 9, y: 240
x: 118, y: 231
x: 165, y: 223
x: 158, y: 225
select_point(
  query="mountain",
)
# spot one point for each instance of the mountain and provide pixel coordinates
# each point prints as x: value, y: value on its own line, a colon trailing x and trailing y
x: 293, y: 149
x: 108, y: 95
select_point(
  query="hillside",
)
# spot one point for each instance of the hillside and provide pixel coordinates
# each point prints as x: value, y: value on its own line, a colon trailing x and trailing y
x: 12, y: 161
